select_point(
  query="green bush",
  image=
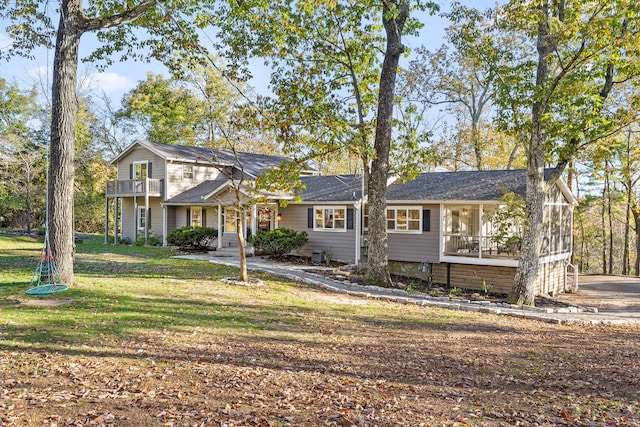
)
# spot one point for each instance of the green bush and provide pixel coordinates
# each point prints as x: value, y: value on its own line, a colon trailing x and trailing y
x: 192, y: 238
x: 279, y: 241
x: 152, y: 241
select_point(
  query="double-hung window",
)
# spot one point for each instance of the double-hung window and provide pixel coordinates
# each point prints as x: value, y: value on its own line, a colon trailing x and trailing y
x: 142, y: 217
x: 404, y: 219
x: 330, y: 218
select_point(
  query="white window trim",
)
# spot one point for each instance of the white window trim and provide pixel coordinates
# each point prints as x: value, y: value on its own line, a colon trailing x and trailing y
x: 185, y: 178
x: 139, y: 225
x: 405, y: 208
x: 330, y: 230
x: 140, y: 162
x: 191, y: 210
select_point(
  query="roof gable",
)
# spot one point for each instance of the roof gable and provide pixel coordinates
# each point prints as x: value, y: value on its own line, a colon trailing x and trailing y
x: 252, y: 164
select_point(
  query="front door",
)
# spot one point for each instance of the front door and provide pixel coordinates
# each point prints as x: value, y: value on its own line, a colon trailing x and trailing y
x: 265, y: 218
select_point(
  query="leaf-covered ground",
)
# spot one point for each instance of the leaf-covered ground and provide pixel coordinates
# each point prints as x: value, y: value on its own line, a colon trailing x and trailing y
x: 176, y: 347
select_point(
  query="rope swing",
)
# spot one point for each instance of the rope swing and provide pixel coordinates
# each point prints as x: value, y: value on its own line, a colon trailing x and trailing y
x: 46, y: 279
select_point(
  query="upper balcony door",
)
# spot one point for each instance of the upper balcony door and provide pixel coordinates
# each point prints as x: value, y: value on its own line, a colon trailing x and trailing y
x: 139, y: 172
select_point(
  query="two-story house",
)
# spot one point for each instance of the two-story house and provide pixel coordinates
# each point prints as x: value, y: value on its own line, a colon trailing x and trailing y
x: 449, y: 226
x: 160, y: 187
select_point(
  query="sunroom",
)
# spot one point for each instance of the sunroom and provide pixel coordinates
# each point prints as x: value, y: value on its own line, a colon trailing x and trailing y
x: 492, y: 233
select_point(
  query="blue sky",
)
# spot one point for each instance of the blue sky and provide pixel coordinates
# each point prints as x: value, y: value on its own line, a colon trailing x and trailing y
x: 121, y: 77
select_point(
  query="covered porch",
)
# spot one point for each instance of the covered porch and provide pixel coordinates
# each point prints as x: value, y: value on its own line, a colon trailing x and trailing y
x: 480, y: 231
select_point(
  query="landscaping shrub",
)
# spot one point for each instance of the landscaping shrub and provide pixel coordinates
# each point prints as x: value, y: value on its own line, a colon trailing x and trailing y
x: 279, y: 241
x: 192, y: 238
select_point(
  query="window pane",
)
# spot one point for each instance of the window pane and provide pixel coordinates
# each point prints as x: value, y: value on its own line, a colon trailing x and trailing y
x: 328, y: 218
x: 414, y: 225
x: 414, y: 214
x: 391, y: 224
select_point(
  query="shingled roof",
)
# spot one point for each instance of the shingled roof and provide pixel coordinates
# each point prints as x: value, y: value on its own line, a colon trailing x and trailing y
x: 331, y: 188
x: 431, y: 186
x: 461, y: 185
x: 253, y: 164
x: 195, y: 195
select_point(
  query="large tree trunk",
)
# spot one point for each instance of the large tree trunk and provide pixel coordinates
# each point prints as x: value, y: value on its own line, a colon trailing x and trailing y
x: 244, y: 277
x: 524, y: 289
x: 63, y: 127
x: 377, y: 270
x: 636, y: 217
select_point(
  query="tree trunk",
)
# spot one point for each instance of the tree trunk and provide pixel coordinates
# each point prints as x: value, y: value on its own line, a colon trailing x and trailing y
x: 610, y: 215
x: 524, y: 289
x: 63, y: 129
x: 604, y: 231
x: 636, y: 216
x: 626, y: 266
x: 377, y: 270
x: 244, y: 277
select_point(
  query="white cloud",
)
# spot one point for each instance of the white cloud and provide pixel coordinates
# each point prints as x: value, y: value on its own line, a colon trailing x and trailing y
x: 39, y: 72
x: 5, y: 42
x: 106, y: 82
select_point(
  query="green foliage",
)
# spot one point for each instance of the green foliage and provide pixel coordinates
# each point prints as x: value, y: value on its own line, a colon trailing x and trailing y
x: 511, y: 217
x: 454, y: 292
x: 485, y: 289
x: 279, y: 241
x: 192, y: 238
x: 168, y: 112
x: 151, y: 241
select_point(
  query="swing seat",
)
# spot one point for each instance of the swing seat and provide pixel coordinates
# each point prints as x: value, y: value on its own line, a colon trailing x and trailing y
x: 47, y: 289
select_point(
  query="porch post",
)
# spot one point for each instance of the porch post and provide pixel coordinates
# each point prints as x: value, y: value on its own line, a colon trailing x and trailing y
x: 220, y: 225
x: 136, y: 218
x: 480, y: 230
x: 116, y: 220
x: 164, y: 225
x: 146, y: 211
x: 357, y: 229
x: 244, y: 223
x: 106, y: 221
x: 254, y: 222
x: 276, y: 213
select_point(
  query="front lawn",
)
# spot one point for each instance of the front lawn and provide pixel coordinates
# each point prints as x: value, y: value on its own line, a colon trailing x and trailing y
x: 142, y: 339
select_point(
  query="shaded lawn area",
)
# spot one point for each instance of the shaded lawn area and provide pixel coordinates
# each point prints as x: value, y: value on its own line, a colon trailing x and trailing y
x: 145, y: 340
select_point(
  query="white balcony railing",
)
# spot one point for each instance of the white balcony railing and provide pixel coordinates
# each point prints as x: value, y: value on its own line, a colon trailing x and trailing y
x: 135, y: 187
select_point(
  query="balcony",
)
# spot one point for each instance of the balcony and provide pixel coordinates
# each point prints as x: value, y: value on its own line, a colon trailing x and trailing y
x: 135, y: 187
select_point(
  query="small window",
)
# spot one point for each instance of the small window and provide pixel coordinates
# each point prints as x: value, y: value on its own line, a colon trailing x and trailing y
x: 142, y: 218
x: 196, y: 216
x: 330, y: 219
x: 187, y: 172
x: 401, y: 219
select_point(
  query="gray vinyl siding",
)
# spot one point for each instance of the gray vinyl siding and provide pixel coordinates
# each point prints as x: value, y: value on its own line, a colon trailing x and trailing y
x: 339, y: 245
x: 129, y: 219
x: 180, y: 217
x: 140, y: 154
x: 176, y: 183
x: 422, y: 247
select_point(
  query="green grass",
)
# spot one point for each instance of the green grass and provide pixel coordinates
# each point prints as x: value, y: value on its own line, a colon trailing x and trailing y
x: 125, y: 291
